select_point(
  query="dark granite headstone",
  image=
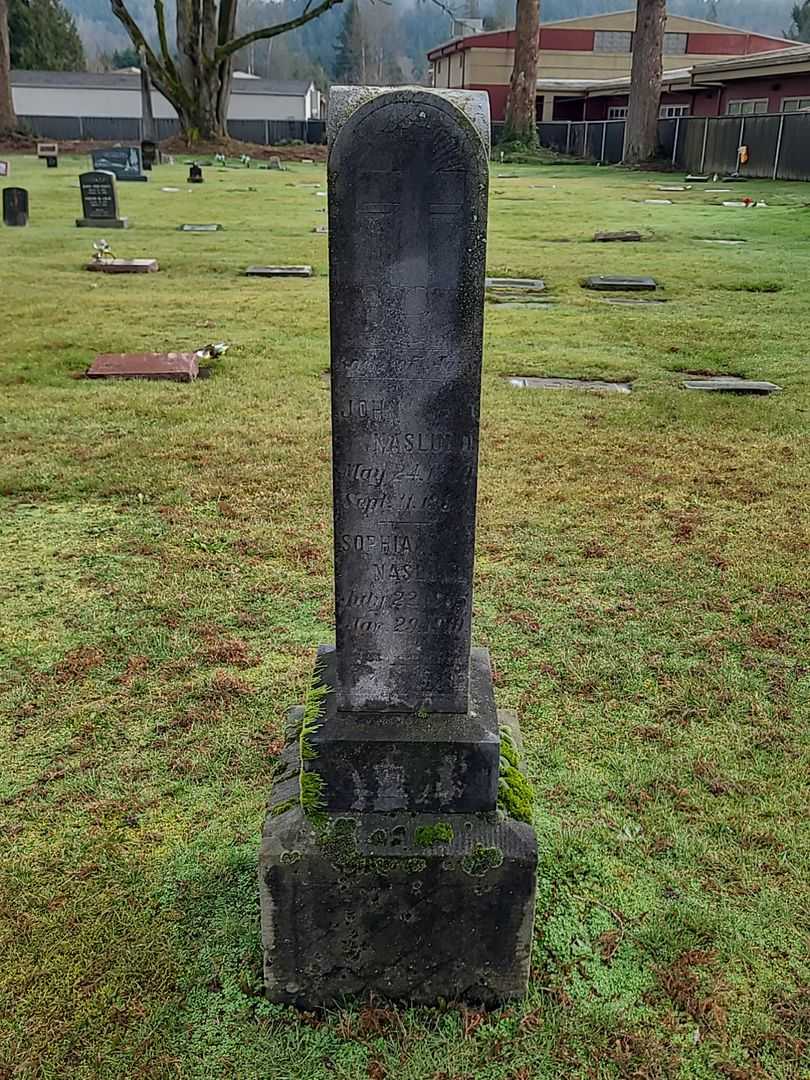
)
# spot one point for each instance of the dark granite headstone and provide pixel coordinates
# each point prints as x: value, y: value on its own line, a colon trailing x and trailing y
x: 15, y: 206
x: 123, y: 161
x: 149, y: 154
x: 51, y: 162
x: 99, y: 202
x: 195, y: 174
x: 404, y: 751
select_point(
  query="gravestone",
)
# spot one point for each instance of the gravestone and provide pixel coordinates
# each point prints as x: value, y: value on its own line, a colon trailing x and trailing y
x: 5, y: 168
x: 50, y: 152
x: 99, y: 202
x: 731, y: 384
x: 15, y: 206
x: 278, y: 271
x: 397, y: 859
x: 533, y: 382
x: 149, y: 154
x: 603, y: 283
x: 123, y: 266
x: 627, y: 236
x: 173, y: 366
x: 195, y: 174
x: 124, y: 162
x: 203, y: 228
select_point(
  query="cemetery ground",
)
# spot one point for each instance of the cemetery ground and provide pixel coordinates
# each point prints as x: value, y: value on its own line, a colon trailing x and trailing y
x: 641, y: 583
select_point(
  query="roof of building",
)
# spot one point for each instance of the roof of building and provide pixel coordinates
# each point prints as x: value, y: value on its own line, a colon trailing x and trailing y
x: 478, y: 38
x: 128, y: 80
x: 740, y: 67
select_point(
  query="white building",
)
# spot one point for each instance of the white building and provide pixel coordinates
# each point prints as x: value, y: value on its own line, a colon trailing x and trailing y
x: 46, y: 97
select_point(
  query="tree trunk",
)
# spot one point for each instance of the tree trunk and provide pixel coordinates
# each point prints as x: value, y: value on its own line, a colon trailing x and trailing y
x: 641, y: 136
x: 521, y: 121
x: 8, y: 118
x: 148, y: 129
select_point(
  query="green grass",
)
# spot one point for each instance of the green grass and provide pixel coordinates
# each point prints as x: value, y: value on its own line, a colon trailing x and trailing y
x: 642, y: 582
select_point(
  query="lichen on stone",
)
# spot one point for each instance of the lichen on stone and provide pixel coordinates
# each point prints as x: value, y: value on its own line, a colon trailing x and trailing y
x: 481, y: 860
x: 515, y: 792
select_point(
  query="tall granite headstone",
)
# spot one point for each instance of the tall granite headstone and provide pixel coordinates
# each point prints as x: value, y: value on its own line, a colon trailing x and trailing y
x: 15, y: 206
x: 397, y: 856
x: 99, y: 202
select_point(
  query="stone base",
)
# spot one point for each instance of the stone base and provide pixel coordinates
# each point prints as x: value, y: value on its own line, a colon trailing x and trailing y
x: 404, y: 906
x: 391, y: 905
x: 102, y: 223
x: 438, y: 762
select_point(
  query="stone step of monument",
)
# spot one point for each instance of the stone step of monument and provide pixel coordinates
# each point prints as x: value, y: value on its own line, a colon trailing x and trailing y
x: 279, y: 271
x: 731, y: 384
x: 605, y: 283
x: 102, y: 223
x: 123, y: 266
x: 173, y: 366
x: 534, y: 382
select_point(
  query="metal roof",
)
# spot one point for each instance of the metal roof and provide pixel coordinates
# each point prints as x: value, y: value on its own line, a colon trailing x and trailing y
x: 128, y: 80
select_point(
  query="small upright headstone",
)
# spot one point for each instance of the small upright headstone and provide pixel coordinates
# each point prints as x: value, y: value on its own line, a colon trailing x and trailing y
x: 385, y: 868
x: 149, y: 154
x: 5, y: 168
x: 195, y: 174
x: 15, y: 206
x: 124, y: 162
x: 99, y: 202
x: 50, y: 152
x: 274, y: 162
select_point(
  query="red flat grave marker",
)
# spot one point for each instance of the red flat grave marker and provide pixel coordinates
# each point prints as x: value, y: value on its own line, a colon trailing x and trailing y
x: 175, y: 366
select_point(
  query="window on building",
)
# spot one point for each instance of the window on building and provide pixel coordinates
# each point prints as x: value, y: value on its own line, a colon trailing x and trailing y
x: 669, y: 112
x: 747, y: 107
x: 617, y: 112
x: 795, y: 104
x: 613, y: 41
x: 675, y: 44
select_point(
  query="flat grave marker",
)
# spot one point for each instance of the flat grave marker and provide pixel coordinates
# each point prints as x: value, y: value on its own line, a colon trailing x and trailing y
x: 604, y: 283
x: 124, y: 162
x: 173, y: 366
x: 532, y: 382
x: 731, y: 384
x: 532, y: 285
x: 627, y: 236
x: 208, y: 227
x: 99, y: 202
x: 123, y: 266
x: 278, y: 271
x: 15, y: 206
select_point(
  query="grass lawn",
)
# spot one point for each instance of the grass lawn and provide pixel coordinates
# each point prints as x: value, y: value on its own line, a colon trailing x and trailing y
x: 642, y: 582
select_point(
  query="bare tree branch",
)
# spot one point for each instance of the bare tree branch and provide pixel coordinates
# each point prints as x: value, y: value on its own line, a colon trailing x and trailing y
x: 172, y: 89
x: 160, y: 15
x: 227, y: 48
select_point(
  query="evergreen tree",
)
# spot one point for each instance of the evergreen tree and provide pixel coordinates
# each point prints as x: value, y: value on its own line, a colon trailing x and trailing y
x: 43, y: 37
x: 124, y: 58
x: 350, y: 58
x: 800, y: 26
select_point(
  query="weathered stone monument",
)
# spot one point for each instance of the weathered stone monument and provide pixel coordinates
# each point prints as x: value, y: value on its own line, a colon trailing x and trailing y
x: 397, y: 857
x: 15, y: 206
x: 99, y: 202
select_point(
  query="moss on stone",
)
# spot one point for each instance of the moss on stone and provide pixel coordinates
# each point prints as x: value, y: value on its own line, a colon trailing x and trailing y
x: 339, y: 842
x: 379, y: 836
x: 481, y: 860
x: 428, y: 835
x: 515, y: 792
x: 282, y: 807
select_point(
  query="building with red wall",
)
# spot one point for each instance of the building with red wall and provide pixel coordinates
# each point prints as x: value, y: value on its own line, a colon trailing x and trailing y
x: 575, y: 55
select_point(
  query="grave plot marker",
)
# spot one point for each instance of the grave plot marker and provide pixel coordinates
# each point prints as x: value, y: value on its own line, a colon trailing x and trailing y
x: 278, y: 271
x: 384, y: 867
x: 99, y: 202
x: 15, y: 206
x: 602, y: 283
x: 173, y: 366
x: 124, y: 162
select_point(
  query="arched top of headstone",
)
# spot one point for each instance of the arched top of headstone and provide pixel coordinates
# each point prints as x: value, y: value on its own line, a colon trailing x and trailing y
x: 469, y: 107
